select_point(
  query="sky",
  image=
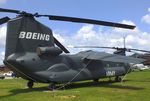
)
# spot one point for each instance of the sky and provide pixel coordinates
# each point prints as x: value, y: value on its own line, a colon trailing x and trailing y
x: 135, y: 12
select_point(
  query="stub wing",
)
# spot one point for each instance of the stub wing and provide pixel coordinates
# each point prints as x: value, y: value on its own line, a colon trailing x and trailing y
x: 102, y: 56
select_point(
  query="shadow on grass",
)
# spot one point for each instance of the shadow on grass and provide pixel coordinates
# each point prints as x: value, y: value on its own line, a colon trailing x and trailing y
x: 23, y: 91
x: 102, y: 84
x: 143, y: 80
x: 72, y: 86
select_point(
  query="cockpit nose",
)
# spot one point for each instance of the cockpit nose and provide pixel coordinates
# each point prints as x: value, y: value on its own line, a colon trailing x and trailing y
x: 10, y: 59
x: 13, y: 60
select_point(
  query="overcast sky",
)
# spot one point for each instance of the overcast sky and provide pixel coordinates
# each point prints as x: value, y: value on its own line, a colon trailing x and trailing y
x: 135, y: 12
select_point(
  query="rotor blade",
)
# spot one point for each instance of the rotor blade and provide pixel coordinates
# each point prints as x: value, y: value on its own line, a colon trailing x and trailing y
x: 139, y: 50
x: 126, y: 49
x: 9, y: 10
x: 90, y: 21
x: 60, y: 45
x: 4, y: 20
x: 92, y: 47
x: 124, y: 42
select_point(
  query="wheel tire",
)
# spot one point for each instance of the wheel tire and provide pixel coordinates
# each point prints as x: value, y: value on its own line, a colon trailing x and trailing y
x: 118, y: 79
x: 30, y: 84
x: 52, y: 86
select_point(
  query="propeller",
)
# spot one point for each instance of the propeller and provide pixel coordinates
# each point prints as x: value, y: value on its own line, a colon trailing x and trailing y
x: 72, y: 19
x: 117, y: 48
x: 60, y: 45
x: 64, y: 18
x: 10, y: 11
x: 4, y: 20
x: 90, y: 21
x: 139, y: 50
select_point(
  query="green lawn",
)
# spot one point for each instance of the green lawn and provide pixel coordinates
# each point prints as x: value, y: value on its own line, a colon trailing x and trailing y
x: 136, y: 87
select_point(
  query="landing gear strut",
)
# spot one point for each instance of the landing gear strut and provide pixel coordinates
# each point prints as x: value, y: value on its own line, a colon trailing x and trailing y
x: 30, y: 84
x: 52, y: 86
x: 118, y: 79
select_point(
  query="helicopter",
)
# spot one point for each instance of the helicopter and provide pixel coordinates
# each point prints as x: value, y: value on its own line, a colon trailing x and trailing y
x: 36, y: 55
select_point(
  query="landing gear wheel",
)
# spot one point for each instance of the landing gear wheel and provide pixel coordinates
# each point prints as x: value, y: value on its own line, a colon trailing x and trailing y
x: 30, y: 84
x: 52, y: 86
x: 118, y: 79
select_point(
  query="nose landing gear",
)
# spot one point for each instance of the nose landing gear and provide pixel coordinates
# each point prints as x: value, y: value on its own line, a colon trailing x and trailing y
x: 30, y: 84
x: 52, y: 86
x: 118, y: 79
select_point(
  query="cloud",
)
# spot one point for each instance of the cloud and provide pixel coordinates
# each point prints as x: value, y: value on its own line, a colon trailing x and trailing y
x: 2, y: 36
x: 3, y: 1
x: 146, y: 18
x: 1, y: 57
x: 89, y: 35
x: 2, y: 42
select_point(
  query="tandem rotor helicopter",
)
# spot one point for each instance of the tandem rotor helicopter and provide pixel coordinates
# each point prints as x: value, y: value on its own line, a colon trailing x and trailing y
x: 31, y: 52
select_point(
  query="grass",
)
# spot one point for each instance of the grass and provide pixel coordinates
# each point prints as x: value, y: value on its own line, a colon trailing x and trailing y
x: 136, y: 87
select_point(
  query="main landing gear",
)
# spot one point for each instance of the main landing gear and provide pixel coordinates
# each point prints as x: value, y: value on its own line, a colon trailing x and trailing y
x: 52, y: 86
x: 30, y: 84
x: 118, y: 79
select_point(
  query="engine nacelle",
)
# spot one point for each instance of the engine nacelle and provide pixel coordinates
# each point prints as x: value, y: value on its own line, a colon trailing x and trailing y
x: 48, y: 50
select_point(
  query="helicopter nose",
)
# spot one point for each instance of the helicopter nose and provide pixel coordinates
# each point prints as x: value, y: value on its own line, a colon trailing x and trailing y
x: 10, y: 59
x: 13, y: 59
